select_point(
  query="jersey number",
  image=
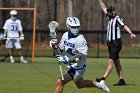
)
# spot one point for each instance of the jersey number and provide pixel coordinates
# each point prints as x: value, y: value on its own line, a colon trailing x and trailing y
x: 14, y: 27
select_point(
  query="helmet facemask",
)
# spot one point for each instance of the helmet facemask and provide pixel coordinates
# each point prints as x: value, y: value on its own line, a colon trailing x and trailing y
x: 13, y: 17
x: 74, y: 30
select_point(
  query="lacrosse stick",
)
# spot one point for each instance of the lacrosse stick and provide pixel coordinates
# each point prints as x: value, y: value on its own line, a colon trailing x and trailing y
x: 2, y: 35
x: 52, y: 26
x: 5, y: 57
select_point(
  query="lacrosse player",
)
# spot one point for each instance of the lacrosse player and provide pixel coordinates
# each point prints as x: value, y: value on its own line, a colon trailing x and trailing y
x: 115, y: 24
x: 12, y: 28
x: 75, y: 46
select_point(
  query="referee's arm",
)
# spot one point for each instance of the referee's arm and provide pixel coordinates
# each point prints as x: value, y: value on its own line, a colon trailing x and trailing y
x: 124, y: 26
x: 129, y: 31
x: 103, y: 6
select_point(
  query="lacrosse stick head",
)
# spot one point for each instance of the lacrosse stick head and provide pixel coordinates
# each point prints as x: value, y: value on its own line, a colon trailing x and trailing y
x: 52, y: 26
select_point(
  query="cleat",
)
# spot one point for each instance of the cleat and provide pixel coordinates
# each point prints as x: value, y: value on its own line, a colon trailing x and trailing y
x: 23, y: 61
x: 120, y: 83
x: 12, y: 60
x: 104, y: 87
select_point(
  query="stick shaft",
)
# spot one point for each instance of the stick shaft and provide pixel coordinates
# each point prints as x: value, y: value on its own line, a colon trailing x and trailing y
x: 52, y: 26
x: 3, y: 59
x: 61, y: 71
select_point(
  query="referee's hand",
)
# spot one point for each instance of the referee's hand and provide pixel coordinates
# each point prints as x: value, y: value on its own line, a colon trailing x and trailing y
x: 133, y: 35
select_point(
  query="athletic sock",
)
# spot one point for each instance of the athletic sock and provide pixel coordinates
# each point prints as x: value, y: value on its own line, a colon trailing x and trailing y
x: 11, y: 57
x: 121, y: 79
x: 103, y: 78
x: 21, y: 58
x: 98, y: 85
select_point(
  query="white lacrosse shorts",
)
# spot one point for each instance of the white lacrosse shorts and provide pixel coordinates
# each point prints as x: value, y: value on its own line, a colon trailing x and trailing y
x: 13, y: 43
x: 79, y: 71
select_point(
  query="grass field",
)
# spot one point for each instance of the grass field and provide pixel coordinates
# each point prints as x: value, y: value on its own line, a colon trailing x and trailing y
x: 41, y: 76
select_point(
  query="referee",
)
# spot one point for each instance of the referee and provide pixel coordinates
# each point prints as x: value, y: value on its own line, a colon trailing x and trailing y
x: 114, y: 26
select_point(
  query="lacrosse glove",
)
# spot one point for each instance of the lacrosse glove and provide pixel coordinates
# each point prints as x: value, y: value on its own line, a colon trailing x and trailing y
x: 53, y: 42
x: 64, y: 59
x: 21, y: 37
x: 3, y: 37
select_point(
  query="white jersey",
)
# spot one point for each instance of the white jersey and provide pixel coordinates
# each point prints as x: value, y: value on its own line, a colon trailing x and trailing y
x: 13, y: 27
x: 72, y: 45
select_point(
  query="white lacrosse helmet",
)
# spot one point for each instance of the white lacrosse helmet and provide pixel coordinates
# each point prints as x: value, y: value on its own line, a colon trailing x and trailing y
x: 13, y: 14
x: 73, y: 25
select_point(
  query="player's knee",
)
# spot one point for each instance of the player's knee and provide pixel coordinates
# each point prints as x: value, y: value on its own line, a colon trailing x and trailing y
x: 59, y: 82
x: 110, y: 62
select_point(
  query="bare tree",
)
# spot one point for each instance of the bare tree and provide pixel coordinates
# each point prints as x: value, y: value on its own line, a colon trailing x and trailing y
x: 61, y: 13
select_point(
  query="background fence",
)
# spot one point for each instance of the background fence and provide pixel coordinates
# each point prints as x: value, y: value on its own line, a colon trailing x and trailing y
x: 96, y: 42
x: 93, y: 24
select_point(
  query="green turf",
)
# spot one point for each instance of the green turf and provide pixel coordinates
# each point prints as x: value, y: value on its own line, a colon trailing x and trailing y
x: 41, y: 76
x: 92, y: 52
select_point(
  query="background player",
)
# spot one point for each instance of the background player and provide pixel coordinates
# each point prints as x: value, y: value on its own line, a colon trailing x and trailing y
x: 76, y: 48
x: 115, y: 24
x: 12, y: 28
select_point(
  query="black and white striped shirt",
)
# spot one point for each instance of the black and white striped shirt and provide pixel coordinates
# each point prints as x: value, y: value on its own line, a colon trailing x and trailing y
x: 114, y: 28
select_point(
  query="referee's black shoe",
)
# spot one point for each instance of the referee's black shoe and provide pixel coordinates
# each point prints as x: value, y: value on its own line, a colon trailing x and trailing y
x: 121, y: 82
x: 99, y: 79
